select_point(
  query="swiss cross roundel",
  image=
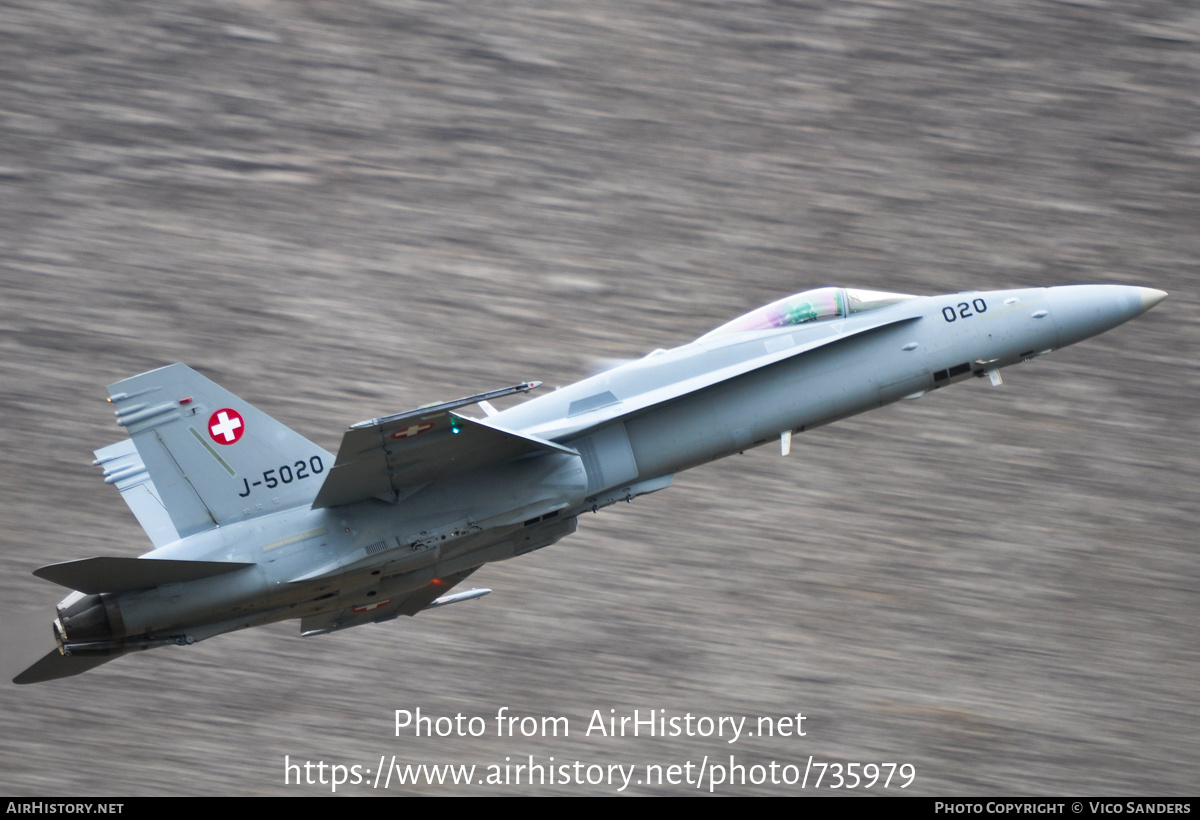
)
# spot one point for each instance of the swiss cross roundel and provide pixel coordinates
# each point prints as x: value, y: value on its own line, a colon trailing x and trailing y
x: 413, y: 430
x: 226, y: 426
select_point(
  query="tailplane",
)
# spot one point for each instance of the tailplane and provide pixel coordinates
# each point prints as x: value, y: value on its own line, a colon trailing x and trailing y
x: 55, y: 664
x: 210, y: 457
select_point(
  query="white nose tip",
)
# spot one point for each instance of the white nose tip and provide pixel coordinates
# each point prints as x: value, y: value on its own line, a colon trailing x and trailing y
x: 1151, y: 297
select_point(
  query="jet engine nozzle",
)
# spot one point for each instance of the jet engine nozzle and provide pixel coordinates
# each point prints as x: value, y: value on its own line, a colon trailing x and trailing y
x: 91, y: 623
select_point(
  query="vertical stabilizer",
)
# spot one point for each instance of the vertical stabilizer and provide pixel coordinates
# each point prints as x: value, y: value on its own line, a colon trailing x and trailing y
x: 212, y: 457
x: 123, y: 468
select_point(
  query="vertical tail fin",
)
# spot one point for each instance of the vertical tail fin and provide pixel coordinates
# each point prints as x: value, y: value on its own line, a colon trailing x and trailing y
x: 212, y: 457
x: 123, y: 467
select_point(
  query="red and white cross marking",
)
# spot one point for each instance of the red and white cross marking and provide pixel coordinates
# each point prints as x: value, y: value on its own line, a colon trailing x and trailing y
x: 413, y: 430
x: 370, y: 607
x: 226, y: 426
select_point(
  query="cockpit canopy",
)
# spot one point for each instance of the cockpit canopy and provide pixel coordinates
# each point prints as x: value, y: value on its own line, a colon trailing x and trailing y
x: 810, y: 306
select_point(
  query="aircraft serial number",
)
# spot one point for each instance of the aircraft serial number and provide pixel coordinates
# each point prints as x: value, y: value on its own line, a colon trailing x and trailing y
x: 965, y: 310
x: 285, y: 474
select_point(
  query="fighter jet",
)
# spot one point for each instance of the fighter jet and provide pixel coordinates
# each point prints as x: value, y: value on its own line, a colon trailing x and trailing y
x: 252, y: 523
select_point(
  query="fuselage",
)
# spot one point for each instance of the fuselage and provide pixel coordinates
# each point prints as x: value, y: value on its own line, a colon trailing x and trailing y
x: 632, y: 428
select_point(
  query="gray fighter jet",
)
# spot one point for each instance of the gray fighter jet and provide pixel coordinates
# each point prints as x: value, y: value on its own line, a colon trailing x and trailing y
x: 252, y: 523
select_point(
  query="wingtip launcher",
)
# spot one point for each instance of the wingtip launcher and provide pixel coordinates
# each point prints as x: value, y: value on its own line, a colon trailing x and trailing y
x: 439, y: 407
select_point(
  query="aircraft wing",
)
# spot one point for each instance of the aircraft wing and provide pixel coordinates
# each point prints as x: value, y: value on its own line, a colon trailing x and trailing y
x: 383, y: 457
x: 370, y: 612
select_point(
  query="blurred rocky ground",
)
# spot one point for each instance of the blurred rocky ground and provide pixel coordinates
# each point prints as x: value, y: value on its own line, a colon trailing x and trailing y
x: 340, y: 210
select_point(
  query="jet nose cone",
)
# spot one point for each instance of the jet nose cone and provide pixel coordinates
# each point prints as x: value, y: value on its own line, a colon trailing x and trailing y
x: 1151, y: 297
x: 1083, y: 311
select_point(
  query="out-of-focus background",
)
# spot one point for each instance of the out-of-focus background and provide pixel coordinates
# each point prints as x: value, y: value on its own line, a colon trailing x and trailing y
x: 340, y: 210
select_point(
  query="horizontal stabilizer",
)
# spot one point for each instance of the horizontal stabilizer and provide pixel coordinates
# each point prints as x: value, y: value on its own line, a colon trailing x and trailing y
x: 95, y: 575
x: 55, y: 664
x: 387, y: 456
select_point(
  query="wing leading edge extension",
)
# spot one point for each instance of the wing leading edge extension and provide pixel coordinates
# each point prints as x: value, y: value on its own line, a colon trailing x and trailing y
x: 617, y: 406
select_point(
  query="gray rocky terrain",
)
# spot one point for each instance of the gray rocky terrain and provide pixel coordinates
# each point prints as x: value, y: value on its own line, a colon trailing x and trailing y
x: 340, y: 210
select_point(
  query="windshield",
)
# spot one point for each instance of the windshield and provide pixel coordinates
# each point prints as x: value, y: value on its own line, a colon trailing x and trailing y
x: 810, y: 306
